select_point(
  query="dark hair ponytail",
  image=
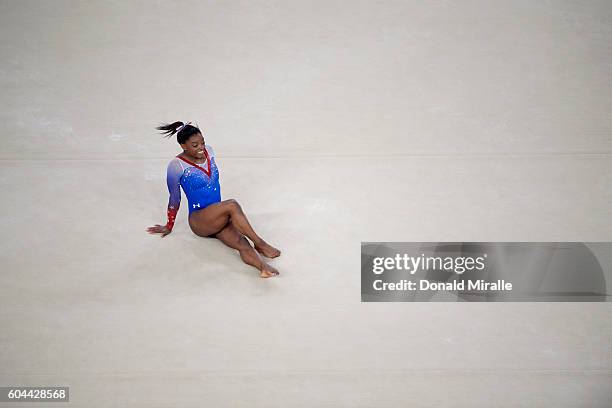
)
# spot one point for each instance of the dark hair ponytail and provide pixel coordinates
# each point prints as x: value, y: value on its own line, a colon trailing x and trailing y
x: 185, y: 133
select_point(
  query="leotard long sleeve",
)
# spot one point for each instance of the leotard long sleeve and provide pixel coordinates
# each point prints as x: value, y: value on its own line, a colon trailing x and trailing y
x: 201, y: 189
x: 173, y: 175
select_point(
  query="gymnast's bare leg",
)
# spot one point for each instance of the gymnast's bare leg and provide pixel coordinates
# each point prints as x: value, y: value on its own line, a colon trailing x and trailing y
x: 233, y: 238
x: 215, y: 217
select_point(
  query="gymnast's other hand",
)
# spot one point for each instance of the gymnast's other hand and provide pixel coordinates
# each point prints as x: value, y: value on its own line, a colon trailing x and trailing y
x: 159, y: 229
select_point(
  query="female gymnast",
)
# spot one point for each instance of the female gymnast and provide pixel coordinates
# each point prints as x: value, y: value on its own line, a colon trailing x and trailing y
x: 196, y: 172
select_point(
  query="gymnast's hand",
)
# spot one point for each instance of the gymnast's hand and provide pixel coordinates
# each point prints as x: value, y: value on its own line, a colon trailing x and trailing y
x: 159, y: 229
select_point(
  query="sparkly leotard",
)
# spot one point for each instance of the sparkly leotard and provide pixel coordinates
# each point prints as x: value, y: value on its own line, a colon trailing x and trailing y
x: 202, y: 189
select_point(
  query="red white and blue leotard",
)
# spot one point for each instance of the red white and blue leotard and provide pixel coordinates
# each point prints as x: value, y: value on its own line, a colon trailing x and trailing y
x: 200, y: 182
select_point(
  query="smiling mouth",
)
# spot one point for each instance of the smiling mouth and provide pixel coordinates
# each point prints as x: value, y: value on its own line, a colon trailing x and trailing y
x: 200, y: 151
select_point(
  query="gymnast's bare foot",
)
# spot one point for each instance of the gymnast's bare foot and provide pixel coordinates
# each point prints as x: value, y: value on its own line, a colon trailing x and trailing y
x: 267, y: 250
x: 268, y: 271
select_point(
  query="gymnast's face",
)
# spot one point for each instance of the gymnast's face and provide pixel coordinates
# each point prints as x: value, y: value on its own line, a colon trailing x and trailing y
x: 194, y: 146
